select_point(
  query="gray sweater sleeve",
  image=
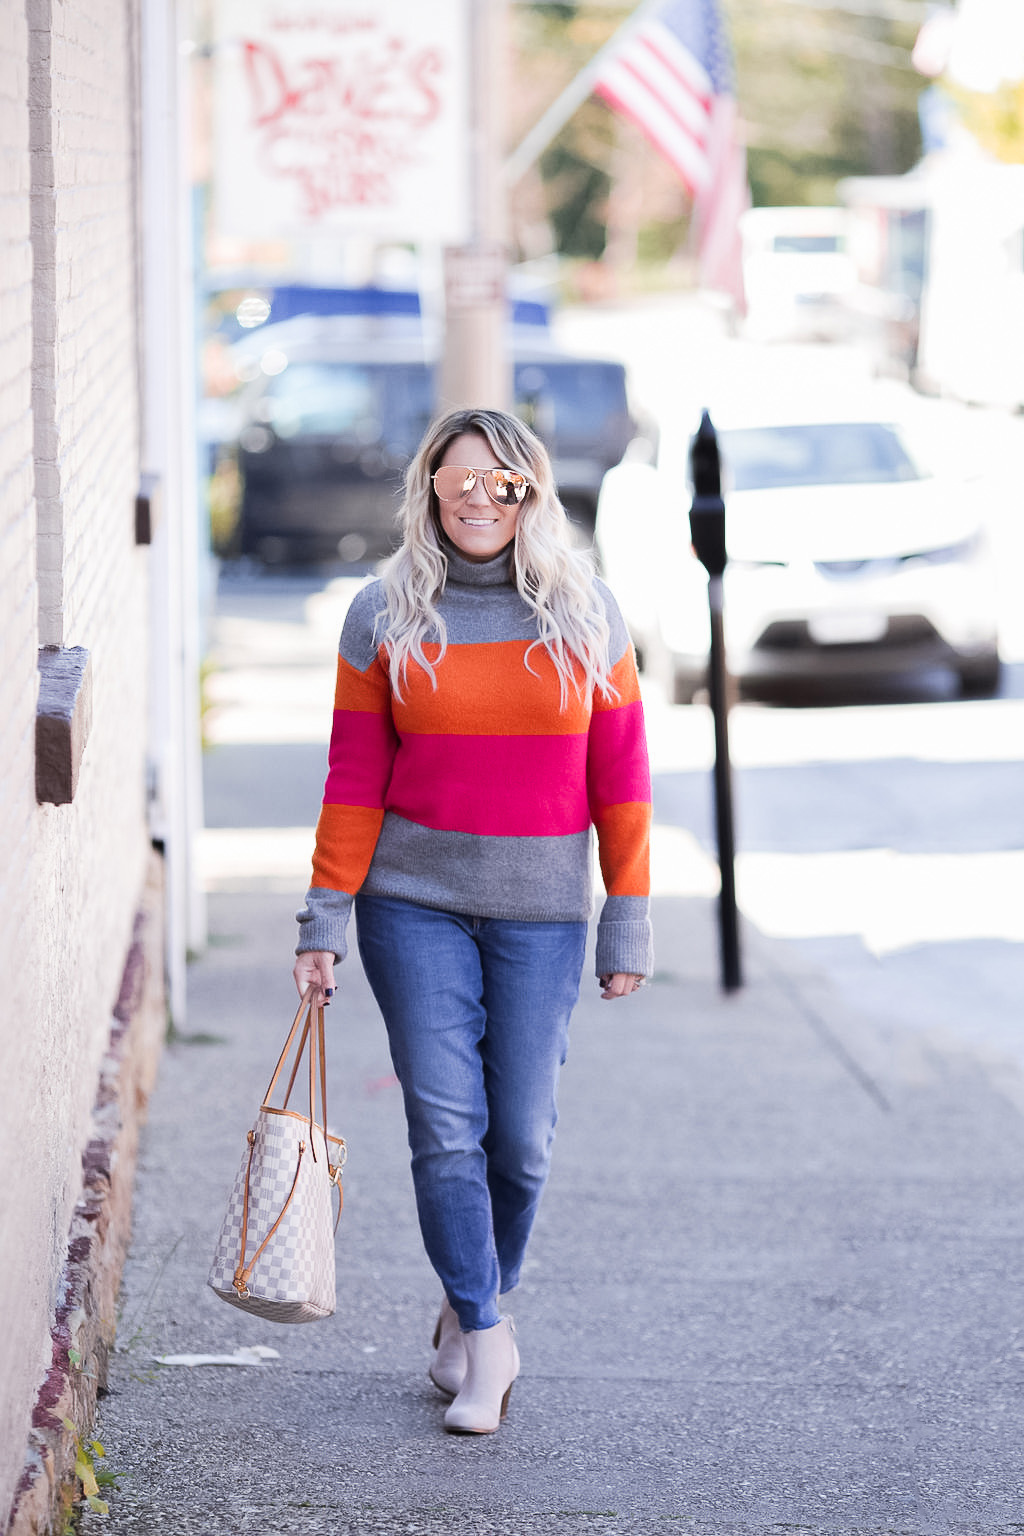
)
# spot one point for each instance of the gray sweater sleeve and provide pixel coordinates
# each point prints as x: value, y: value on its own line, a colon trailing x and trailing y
x: 323, y: 921
x: 624, y: 939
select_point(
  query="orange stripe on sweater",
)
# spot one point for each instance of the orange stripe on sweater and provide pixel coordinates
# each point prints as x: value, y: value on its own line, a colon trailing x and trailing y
x: 624, y: 678
x: 487, y: 690
x: 346, y: 836
x: 624, y: 842
x: 361, y: 690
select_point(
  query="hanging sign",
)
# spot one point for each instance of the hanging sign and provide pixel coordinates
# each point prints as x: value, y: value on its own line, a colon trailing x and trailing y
x: 341, y: 117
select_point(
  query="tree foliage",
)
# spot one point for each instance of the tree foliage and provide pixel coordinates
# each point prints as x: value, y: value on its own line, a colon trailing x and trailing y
x: 823, y: 94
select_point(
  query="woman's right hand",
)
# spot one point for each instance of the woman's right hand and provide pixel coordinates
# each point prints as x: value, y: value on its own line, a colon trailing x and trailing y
x: 315, y: 968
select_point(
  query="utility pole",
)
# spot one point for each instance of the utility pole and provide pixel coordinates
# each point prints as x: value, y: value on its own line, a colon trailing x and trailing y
x: 475, y: 367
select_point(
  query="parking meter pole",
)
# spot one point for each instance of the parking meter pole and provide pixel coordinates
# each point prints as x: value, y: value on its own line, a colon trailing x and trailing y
x: 707, y: 530
x: 729, y: 936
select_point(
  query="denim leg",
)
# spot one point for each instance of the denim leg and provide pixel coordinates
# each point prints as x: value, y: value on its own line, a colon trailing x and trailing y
x: 531, y: 985
x: 477, y: 1013
x: 424, y: 969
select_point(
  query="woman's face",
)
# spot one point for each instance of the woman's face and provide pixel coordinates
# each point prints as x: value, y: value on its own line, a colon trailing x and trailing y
x: 477, y: 527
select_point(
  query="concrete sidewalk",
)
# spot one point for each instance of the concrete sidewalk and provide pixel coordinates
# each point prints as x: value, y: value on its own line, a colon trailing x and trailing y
x: 775, y: 1285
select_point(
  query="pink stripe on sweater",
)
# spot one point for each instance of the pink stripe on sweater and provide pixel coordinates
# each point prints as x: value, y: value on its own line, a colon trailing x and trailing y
x: 617, y: 765
x: 362, y: 749
x: 493, y: 786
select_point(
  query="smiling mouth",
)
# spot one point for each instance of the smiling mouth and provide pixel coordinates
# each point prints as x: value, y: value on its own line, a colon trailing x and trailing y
x: 478, y: 522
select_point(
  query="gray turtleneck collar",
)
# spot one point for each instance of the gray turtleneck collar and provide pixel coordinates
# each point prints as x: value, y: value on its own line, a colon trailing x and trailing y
x: 496, y: 572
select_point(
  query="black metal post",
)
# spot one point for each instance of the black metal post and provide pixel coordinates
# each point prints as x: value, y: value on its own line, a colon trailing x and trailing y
x: 707, y: 529
x: 718, y: 684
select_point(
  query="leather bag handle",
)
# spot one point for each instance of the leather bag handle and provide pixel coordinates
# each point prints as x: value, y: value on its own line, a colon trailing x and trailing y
x: 312, y: 1038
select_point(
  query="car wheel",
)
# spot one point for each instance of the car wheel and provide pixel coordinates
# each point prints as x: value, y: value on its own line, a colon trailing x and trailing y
x: 980, y: 678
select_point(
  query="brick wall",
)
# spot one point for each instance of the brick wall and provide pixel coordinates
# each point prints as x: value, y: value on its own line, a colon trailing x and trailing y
x: 70, y: 574
x: 18, y: 681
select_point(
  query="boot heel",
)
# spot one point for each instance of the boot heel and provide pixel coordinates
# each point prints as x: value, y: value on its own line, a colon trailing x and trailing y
x: 504, y: 1403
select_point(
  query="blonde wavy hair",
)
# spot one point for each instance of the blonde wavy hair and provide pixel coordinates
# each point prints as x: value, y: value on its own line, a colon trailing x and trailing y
x: 555, y: 580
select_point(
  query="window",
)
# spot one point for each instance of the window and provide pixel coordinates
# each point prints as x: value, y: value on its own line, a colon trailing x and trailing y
x: 835, y: 453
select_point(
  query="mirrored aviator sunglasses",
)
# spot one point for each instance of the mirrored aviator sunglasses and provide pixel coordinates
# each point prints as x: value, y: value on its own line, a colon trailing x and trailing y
x: 505, y: 487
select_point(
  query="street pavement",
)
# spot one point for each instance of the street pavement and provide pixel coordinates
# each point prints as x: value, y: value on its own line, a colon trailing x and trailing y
x: 775, y: 1284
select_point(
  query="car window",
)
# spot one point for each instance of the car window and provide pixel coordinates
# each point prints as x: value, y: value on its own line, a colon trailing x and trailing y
x: 807, y: 245
x: 357, y: 403
x: 855, y: 453
x: 570, y: 401
x: 407, y: 393
x: 320, y: 399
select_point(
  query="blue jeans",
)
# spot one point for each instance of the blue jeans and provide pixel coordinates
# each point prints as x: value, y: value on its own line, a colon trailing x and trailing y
x: 477, y: 1012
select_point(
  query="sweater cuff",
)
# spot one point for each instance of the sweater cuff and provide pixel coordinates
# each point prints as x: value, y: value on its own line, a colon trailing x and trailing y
x: 624, y: 945
x: 322, y: 922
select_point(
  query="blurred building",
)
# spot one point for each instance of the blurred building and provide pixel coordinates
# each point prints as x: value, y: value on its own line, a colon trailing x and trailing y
x: 98, y: 686
x: 941, y: 256
x: 940, y: 251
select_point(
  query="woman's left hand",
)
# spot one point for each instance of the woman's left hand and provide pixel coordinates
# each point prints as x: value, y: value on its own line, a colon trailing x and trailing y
x: 621, y: 984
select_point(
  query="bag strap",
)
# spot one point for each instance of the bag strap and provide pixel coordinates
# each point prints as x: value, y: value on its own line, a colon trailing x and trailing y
x: 305, y: 1007
x: 323, y: 1074
x: 243, y: 1271
x: 313, y: 1039
x: 314, y: 1045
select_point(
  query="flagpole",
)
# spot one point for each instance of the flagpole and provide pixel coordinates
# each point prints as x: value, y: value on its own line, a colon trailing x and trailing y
x: 574, y: 95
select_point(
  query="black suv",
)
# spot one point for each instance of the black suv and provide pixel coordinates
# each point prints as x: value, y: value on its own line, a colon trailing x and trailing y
x: 335, y: 407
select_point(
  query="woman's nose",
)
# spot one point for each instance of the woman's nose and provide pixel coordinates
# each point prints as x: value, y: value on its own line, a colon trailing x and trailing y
x: 478, y: 496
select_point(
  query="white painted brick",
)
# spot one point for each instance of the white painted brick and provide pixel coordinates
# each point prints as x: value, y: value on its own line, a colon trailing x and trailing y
x: 70, y: 876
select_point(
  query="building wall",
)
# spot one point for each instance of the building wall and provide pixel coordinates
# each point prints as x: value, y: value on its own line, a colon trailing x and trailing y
x: 71, y: 876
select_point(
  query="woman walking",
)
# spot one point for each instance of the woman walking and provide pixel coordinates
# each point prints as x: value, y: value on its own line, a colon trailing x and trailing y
x: 487, y: 715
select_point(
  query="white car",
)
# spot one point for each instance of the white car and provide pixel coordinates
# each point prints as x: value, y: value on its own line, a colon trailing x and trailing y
x: 847, y: 561
x: 798, y: 274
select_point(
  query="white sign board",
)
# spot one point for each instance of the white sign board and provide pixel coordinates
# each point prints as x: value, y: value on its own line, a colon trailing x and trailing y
x: 346, y: 117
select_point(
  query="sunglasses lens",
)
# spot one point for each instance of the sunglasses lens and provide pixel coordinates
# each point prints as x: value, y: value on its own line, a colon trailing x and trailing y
x: 507, y: 487
x: 453, y: 482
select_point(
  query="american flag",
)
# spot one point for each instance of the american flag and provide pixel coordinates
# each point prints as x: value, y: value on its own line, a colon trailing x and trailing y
x: 673, y: 77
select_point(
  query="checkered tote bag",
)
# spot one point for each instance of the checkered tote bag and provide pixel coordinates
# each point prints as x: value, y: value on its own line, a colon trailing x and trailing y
x: 275, y: 1253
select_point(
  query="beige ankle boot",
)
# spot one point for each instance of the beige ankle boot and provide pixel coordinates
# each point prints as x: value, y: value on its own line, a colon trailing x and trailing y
x: 492, y: 1365
x: 448, y: 1367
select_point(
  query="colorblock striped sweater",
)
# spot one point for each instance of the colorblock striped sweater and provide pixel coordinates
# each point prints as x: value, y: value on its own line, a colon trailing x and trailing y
x: 478, y: 796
